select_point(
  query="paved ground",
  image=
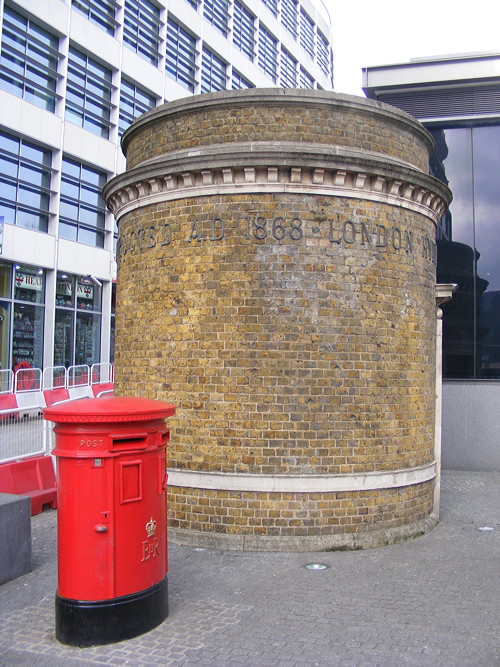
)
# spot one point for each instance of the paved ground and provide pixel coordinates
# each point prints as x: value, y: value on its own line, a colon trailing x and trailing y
x: 432, y: 601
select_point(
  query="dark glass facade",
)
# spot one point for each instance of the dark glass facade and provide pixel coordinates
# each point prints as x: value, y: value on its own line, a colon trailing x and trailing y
x: 468, y: 160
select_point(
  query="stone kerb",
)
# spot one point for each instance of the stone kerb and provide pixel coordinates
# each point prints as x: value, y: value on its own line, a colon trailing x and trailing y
x: 276, y: 282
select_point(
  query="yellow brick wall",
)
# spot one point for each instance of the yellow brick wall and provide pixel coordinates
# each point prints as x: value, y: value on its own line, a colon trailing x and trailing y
x: 294, y: 331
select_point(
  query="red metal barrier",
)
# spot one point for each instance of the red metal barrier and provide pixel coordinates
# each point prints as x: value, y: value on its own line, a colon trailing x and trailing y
x: 8, y: 402
x: 33, y: 477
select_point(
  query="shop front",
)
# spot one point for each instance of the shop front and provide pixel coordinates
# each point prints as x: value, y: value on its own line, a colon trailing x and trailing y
x: 30, y: 309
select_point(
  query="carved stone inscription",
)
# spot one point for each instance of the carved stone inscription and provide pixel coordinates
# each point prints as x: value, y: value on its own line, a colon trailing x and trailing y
x: 290, y: 229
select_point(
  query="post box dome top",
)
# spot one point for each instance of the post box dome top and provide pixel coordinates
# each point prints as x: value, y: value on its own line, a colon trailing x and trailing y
x: 109, y: 409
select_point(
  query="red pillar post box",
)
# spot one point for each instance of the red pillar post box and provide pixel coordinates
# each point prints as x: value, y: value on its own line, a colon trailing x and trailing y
x: 112, y: 532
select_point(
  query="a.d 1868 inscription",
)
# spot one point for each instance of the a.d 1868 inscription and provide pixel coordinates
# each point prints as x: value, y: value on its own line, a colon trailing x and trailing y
x: 290, y: 229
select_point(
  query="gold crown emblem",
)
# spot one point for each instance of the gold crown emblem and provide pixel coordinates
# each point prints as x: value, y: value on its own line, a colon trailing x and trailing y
x: 151, y: 527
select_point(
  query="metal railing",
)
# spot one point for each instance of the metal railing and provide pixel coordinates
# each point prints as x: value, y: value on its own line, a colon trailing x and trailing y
x: 22, y: 434
x: 24, y: 394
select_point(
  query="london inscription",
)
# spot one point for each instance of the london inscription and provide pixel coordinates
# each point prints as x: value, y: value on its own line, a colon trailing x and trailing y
x: 282, y: 229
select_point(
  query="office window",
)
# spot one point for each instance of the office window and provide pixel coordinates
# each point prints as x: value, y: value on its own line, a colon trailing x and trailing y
x: 141, y: 29
x: 244, y: 30
x: 194, y: 3
x: 28, y: 66
x: 306, y: 80
x: 289, y: 16
x: 323, y: 53
x: 238, y: 81
x: 268, y: 53
x: 25, y: 172
x: 88, y: 96
x: 272, y: 5
x: 181, y: 56
x: 82, y: 209
x: 217, y: 13
x: 134, y: 101
x: 306, y: 33
x: 213, y: 72
x: 100, y: 12
x: 288, y: 70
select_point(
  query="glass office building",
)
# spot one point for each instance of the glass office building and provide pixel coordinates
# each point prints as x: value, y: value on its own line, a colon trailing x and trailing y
x: 458, y: 99
x: 73, y: 75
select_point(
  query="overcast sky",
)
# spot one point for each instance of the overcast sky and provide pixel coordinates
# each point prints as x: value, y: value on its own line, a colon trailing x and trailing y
x: 381, y: 32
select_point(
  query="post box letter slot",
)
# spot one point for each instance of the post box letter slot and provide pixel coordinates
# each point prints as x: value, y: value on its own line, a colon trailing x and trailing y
x: 165, y: 437
x: 134, y: 442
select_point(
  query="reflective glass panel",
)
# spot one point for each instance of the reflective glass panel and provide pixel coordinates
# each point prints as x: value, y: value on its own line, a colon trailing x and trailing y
x: 486, y: 151
x: 468, y: 160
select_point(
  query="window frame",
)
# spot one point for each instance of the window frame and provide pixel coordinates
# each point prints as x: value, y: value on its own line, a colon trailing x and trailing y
x: 290, y: 17
x: 95, y: 11
x: 80, y: 83
x: 180, y: 62
x: 43, y: 96
x: 268, y: 53
x: 307, y: 33
x: 288, y: 69
x: 244, y: 30
x: 21, y: 185
x: 213, y: 71
x: 130, y: 97
x: 141, y: 29
x: 216, y: 12
x: 78, y: 202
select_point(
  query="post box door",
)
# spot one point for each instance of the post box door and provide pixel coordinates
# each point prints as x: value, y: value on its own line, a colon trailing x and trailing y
x: 86, y: 545
x: 140, y: 529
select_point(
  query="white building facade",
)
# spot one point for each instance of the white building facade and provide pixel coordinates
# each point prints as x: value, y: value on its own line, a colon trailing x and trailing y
x: 73, y: 75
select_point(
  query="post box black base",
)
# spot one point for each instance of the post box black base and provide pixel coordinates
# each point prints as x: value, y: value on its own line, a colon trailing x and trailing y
x: 81, y: 623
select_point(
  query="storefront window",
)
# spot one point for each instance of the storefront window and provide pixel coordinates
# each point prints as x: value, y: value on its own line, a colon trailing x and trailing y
x: 88, y: 339
x: 29, y: 284
x: 88, y: 295
x: 63, y: 338
x: 65, y: 290
x: 27, y: 335
x: 28, y: 316
x: 77, y: 331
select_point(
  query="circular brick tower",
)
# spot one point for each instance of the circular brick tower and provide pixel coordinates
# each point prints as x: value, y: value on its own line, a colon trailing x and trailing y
x: 276, y: 282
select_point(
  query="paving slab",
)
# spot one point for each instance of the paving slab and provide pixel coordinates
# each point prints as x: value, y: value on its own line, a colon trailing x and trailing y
x: 431, y: 601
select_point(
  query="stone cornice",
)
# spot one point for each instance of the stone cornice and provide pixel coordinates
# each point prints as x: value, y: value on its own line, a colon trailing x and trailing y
x: 260, y: 167
x: 273, y: 97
